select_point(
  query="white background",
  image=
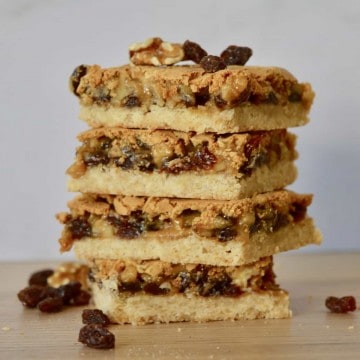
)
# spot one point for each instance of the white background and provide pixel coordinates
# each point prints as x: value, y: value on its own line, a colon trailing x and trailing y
x: 42, y: 41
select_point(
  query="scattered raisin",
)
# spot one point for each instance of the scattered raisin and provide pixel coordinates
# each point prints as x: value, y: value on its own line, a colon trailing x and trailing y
x: 69, y: 291
x: 82, y: 298
x: 341, y: 305
x: 236, y: 55
x: 51, y: 304
x: 31, y: 295
x: 40, y: 277
x: 94, y: 316
x: 211, y: 63
x: 193, y: 51
x: 97, y: 337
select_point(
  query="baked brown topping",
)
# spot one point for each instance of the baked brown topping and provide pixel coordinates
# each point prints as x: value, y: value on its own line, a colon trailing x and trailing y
x: 187, y: 86
x: 175, y: 152
x: 218, y: 223
x: 159, y: 278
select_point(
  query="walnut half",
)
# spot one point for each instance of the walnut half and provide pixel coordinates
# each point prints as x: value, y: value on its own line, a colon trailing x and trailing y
x: 155, y: 51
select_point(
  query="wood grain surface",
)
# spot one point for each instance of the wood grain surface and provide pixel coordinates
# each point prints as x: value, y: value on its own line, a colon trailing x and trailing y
x: 312, y: 333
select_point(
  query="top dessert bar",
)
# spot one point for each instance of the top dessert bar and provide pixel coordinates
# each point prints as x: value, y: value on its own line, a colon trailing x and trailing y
x: 188, y: 98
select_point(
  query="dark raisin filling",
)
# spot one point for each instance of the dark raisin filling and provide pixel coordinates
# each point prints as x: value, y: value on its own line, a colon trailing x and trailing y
x: 195, y: 158
x: 76, y: 76
x: 260, y: 150
x: 139, y: 157
x: 268, y: 219
x: 79, y: 227
x: 131, y: 101
x: 101, y: 95
x: 199, y: 280
x: 128, y: 227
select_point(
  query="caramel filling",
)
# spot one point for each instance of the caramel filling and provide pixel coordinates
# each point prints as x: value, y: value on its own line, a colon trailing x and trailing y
x: 191, y: 279
x: 134, y: 153
x: 261, y: 218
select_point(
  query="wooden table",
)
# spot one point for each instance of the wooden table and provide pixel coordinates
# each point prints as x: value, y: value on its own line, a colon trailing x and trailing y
x: 312, y: 333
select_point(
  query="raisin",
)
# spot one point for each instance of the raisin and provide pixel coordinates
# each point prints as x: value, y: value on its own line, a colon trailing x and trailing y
x: 298, y: 212
x: 82, y: 298
x: 127, y: 227
x: 193, y: 51
x: 211, y: 63
x: 40, y: 277
x: 101, y: 95
x: 203, y: 158
x: 254, y: 158
x: 185, y: 280
x: 294, y: 97
x: 94, y: 316
x: 76, y: 76
x: 154, y: 289
x: 69, y: 291
x: 131, y: 101
x: 341, y: 305
x: 31, y: 295
x: 271, y: 98
x: 220, y: 102
x: 95, y: 158
x: 133, y: 287
x: 226, y: 234
x: 97, y: 337
x: 236, y: 55
x: 51, y: 304
x: 202, y: 96
x: 79, y: 228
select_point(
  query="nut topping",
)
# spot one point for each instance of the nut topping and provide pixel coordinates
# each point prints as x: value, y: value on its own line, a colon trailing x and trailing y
x: 155, y: 51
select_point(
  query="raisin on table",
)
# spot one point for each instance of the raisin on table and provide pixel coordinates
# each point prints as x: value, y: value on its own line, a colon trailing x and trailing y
x: 96, y: 336
x: 341, y: 305
x: 40, y: 277
x: 94, y: 316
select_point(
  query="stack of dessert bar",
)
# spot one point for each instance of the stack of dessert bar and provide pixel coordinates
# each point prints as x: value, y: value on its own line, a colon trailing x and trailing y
x: 182, y: 178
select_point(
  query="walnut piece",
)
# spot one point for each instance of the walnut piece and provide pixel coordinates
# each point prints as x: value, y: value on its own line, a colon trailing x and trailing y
x: 69, y: 271
x: 155, y: 51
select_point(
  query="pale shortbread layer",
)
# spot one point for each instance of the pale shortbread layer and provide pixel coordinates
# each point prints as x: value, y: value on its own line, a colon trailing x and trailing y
x: 139, y: 309
x: 241, y: 119
x: 111, y: 180
x: 196, y: 249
